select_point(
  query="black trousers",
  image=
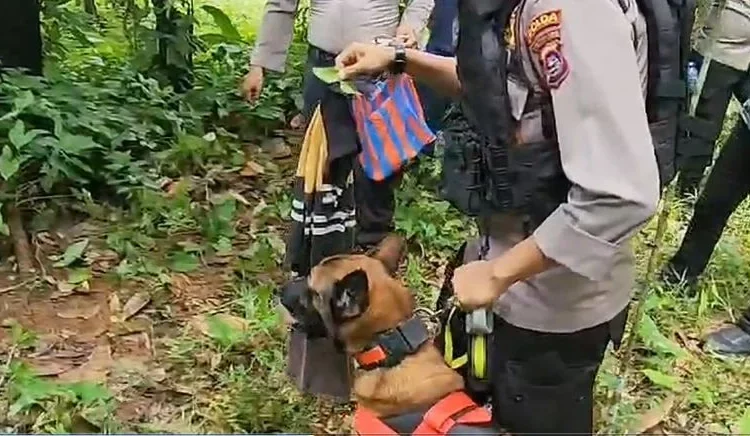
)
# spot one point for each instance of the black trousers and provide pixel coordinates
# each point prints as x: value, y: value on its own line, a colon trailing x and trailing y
x: 375, y: 201
x: 727, y: 186
x: 544, y: 382
x: 696, y: 148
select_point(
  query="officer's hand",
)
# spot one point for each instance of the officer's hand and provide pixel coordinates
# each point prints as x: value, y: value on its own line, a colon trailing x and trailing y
x: 475, y: 285
x: 363, y: 59
x: 407, y: 35
x: 252, y: 84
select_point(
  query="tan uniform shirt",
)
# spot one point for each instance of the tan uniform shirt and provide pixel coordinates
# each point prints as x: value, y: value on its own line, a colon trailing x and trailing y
x: 731, y: 33
x: 333, y: 25
x: 591, y: 57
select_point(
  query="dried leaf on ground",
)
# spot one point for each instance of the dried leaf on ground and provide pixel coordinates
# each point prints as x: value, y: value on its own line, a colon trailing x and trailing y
x: 46, y: 368
x: 95, y: 369
x: 237, y: 196
x: 85, y: 312
x: 115, y: 306
x: 134, y: 305
x: 654, y: 416
x: 252, y: 169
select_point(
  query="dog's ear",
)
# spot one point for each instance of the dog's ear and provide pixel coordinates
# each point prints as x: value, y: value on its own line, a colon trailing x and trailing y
x: 351, y: 295
x: 390, y: 252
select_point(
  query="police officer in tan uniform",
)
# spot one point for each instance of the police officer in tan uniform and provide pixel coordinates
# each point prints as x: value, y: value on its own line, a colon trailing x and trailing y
x: 563, y: 288
x: 722, y: 50
x: 332, y: 25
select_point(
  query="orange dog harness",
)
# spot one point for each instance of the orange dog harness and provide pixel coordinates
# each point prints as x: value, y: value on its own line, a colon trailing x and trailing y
x: 454, y: 411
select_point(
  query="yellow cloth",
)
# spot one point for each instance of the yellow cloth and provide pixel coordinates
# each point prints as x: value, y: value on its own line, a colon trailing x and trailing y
x: 314, y: 154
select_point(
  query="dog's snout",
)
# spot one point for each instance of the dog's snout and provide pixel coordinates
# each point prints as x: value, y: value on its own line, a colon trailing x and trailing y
x: 291, y: 295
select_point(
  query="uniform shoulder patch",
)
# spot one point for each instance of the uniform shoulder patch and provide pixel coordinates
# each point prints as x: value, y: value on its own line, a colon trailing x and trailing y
x: 543, y: 37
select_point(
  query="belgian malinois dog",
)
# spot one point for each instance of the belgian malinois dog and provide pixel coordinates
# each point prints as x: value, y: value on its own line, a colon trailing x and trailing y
x: 402, y: 385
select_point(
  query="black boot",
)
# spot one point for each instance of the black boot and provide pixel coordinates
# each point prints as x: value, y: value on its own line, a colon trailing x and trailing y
x: 680, y: 278
x: 733, y: 340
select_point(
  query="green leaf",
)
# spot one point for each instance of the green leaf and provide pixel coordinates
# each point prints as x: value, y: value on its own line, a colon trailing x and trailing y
x: 75, y: 144
x: 660, y: 379
x: 223, y: 22
x: 348, y: 88
x: 649, y: 332
x: 16, y: 134
x: 72, y: 254
x: 328, y: 75
x: 223, y: 333
x: 19, y: 137
x: 90, y: 393
x: 9, y: 163
x: 223, y: 246
x: 184, y: 262
x: 24, y: 100
x: 743, y: 425
x: 78, y: 276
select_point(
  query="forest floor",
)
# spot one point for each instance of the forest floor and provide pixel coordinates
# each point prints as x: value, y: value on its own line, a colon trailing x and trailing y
x: 163, y: 319
x: 184, y: 343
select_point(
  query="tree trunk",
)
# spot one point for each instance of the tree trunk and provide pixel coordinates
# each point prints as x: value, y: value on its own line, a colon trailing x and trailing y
x: 21, y: 247
x: 21, y: 36
x: 20, y: 47
x: 175, y: 38
x: 90, y: 7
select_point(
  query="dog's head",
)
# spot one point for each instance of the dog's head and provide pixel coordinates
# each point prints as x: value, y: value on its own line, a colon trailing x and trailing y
x: 351, y: 298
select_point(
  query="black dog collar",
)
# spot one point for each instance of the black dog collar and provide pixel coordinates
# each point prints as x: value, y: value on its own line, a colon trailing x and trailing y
x: 392, y: 346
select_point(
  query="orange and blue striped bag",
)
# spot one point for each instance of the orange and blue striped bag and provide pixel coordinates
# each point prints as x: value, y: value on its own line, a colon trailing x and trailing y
x: 391, y: 126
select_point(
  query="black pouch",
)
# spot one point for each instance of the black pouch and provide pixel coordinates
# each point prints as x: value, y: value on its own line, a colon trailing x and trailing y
x: 461, y: 183
x: 562, y: 394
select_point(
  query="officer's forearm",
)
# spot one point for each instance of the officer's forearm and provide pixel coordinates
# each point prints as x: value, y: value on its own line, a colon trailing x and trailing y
x: 521, y: 262
x: 438, y: 72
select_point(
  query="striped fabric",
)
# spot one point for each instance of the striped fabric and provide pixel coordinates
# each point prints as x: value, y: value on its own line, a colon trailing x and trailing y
x: 323, y: 215
x: 391, y: 126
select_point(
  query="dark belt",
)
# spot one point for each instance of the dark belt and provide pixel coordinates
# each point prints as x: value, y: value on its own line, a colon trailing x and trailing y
x: 321, y: 56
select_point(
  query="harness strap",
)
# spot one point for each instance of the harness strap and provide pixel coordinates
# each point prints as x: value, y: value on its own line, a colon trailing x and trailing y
x: 453, y: 362
x: 456, y: 408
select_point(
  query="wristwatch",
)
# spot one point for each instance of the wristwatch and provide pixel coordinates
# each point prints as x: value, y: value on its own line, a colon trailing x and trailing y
x: 399, y: 59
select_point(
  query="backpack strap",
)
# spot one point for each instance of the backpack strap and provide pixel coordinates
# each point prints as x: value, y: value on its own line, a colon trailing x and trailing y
x: 366, y: 423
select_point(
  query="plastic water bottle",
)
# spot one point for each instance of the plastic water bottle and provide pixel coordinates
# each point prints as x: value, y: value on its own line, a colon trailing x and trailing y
x: 692, y: 77
x: 745, y: 112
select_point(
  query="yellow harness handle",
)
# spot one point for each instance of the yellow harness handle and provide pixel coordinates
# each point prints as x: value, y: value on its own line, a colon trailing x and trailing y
x: 448, y: 351
x: 479, y: 351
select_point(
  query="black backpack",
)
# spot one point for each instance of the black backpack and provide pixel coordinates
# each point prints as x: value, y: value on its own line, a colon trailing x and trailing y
x: 669, y: 24
x: 475, y: 176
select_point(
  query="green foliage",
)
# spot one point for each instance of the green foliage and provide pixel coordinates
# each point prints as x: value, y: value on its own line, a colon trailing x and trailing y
x: 72, y: 253
x: 58, y: 407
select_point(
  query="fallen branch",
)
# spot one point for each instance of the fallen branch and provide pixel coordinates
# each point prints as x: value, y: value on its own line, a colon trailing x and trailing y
x: 16, y: 286
x: 37, y: 255
x: 6, y: 368
x: 661, y: 227
x: 626, y: 354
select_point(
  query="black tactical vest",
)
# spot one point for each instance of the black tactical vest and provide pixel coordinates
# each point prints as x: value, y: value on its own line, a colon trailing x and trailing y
x: 484, y: 170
